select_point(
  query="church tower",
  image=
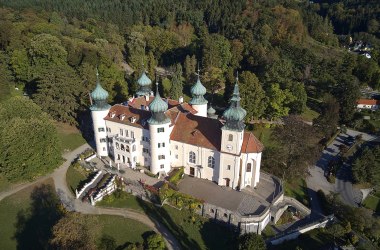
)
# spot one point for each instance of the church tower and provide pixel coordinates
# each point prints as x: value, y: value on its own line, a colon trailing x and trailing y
x: 159, y: 135
x: 144, y: 85
x: 198, y: 102
x: 99, y: 110
x: 233, y: 129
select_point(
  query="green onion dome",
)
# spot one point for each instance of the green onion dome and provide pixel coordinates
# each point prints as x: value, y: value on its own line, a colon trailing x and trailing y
x: 235, y: 114
x: 158, y: 105
x: 99, y: 97
x: 144, y: 80
x: 198, y: 91
x: 99, y: 93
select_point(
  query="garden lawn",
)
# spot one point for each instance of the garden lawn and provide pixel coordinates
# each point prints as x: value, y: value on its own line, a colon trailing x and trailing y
x: 264, y: 133
x: 309, y: 115
x: 9, y: 208
x: 373, y: 203
x: 312, y: 240
x: 124, y: 201
x: 74, y: 177
x: 191, y: 230
x: 70, y: 137
x: 123, y: 230
x: 297, y: 189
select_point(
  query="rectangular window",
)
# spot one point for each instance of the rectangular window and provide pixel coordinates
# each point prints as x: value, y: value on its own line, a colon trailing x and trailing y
x: 103, y: 140
x: 101, y: 129
x: 132, y: 134
x: 176, y: 147
x: 162, y: 166
x: 143, y: 138
x: 161, y: 157
x: 228, y: 167
x: 176, y: 156
x: 160, y: 130
x: 145, y: 150
x: 162, y: 144
x: 121, y: 132
x: 104, y: 149
x: 126, y: 133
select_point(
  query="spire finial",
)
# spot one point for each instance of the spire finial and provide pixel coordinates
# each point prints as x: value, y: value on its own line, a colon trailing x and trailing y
x: 198, y: 74
x: 97, y: 76
x: 237, y: 76
x: 157, y: 93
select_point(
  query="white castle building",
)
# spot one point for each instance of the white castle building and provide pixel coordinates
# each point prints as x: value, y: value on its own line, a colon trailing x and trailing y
x: 163, y: 133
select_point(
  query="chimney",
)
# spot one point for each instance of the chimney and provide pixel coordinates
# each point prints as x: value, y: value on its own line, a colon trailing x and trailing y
x: 180, y: 100
x: 147, y: 98
x: 131, y: 99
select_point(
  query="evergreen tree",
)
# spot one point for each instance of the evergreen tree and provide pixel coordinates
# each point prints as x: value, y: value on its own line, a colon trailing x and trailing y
x: 176, y: 89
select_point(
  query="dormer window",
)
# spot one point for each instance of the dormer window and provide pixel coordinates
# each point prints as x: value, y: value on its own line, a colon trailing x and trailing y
x: 112, y: 114
x: 133, y: 119
x: 122, y: 116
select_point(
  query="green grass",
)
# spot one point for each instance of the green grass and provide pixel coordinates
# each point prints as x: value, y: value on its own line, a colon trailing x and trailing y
x: 74, y: 176
x: 297, y: 189
x: 123, y: 230
x: 9, y: 208
x: 268, y: 232
x: 312, y: 240
x: 309, y: 114
x: 263, y: 133
x: 191, y: 230
x: 4, y: 183
x: 70, y: 137
x: 124, y: 201
x: 373, y: 203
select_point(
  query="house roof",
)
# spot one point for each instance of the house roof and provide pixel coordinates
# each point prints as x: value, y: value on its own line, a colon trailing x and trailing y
x: 251, y: 144
x: 188, y: 128
x: 368, y: 102
x: 197, y: 130
x: 124, y: 114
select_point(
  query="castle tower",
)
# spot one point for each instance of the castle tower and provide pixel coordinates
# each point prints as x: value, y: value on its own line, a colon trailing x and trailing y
x: 99, y: 110
x: 233, y: 129
x: 159, y: 135
x: 144, y: 85
x: 198, y: 102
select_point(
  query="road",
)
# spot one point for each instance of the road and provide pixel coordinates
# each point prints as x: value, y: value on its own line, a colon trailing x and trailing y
x: 72, y: 204
x: 343, y: 184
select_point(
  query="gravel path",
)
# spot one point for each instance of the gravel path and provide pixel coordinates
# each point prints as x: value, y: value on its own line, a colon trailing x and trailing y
x: 72, y: 204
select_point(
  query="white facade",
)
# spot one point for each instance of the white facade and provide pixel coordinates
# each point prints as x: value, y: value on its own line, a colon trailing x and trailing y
x: 225, y: 158
x: 100, y: 133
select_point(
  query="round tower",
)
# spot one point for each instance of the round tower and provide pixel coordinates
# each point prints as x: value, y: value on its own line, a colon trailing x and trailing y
x: 159, y: 135
x: 144, y: 85
x: 198, y: 102
x: 99, y: 110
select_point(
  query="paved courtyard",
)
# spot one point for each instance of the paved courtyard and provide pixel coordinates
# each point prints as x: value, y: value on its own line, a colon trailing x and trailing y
x: 246, y: 202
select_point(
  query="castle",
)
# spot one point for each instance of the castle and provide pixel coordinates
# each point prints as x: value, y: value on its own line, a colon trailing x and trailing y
x: 163, y: 133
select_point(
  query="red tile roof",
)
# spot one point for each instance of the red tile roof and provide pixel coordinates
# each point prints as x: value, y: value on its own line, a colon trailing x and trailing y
x: 251, y: 144
x: 117, y: 111
x: 368, y: 102
x: 196, y: 130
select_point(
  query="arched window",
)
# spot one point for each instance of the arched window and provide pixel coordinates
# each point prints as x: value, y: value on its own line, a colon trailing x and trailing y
x: 211, y: 162
x: 192, y: 157
x: 249, y: 167
x: 117, y: 145
x: 122, y: 147
x: 127, y: 148
x: 230, y: 137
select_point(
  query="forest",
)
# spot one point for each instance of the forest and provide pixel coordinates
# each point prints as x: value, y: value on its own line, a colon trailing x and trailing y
x: 290, y: 55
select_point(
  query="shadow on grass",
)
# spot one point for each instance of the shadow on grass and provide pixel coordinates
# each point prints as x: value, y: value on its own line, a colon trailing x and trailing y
x: 34, y: 225
x: 165, y: 223
x: 218, y: 236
